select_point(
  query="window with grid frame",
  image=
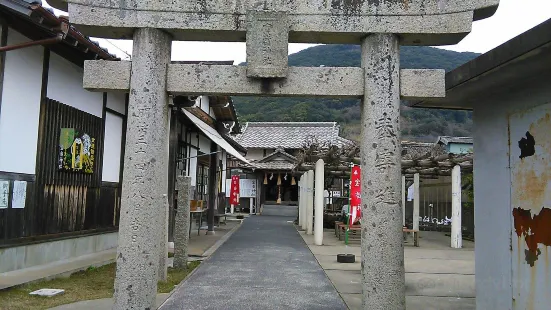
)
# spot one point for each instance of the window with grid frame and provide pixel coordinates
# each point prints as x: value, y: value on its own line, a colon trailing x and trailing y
x: 202, y: 181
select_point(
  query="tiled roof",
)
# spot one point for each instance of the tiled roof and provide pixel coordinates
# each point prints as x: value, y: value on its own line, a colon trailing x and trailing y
x: 446, y: 139
x: 418, y: 150
x: 341, y: 142
x: 286, y: 135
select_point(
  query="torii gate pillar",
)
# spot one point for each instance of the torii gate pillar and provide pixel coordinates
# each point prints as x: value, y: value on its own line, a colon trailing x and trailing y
x: 382, y: 251
x: 142, y: 221
x: 267, y: 26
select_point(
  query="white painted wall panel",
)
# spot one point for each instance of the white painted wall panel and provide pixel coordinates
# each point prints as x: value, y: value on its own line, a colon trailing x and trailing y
x: 112, y: 150
x: 65, y: 86
x: 492, y: 214
x: 116, y: 101
x: 204, y: 144
x: 20, y: 112
x: 193, y: 166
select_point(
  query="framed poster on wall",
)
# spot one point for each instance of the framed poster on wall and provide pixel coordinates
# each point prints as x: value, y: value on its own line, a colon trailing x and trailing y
x: 76, y: 151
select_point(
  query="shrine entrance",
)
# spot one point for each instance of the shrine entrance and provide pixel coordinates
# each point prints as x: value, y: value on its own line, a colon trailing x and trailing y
x: 267, y: 27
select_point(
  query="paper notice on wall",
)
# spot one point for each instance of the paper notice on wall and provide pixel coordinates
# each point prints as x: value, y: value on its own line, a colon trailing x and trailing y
x: 19, y: 194
x: 4, y: 193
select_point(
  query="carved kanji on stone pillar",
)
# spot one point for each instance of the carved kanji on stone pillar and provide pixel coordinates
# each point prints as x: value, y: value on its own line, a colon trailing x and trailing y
x: 267, y: 26
x: 267, y: 44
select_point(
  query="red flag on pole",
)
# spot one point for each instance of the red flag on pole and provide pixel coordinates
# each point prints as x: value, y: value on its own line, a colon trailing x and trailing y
x: 234, y: 190
x: 355, y: 194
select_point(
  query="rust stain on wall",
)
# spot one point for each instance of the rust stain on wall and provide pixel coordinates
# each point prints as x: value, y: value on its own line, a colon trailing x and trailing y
x: 532, y: 189
x: 535, y: 230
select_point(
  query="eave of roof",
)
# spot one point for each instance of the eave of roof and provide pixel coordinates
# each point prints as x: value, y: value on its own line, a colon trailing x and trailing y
x: 207, y: 119
x: 447, y: 140
x: 38, y: 16
x: 511, y: 64
x: 277, y: 152
x: 235, y: 145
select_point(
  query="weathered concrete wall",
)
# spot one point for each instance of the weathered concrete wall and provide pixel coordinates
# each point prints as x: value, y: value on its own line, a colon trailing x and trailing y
x: 48, y: 252
x: 499, y: 285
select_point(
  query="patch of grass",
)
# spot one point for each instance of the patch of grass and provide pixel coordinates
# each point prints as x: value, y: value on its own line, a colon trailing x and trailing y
x: 170, y: 254
x: 94, y: 283
x: 174, y: 277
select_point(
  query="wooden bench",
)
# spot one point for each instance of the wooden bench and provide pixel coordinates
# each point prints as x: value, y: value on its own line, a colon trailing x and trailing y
x: 415, y: 235
x: 337, y: 231
x: 354, y: 232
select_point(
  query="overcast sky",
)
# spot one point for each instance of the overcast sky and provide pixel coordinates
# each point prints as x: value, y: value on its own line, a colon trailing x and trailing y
x: 512, y: 18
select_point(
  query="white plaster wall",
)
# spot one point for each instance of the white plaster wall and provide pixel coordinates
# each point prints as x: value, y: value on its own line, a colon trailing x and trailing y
x: 193, y: 166
x: 203, y: 102
x: 112, y: 149
x: 65, y: 86
x: 255, y: 154
x: 20, y: 112
x: 492, y: 178
x: 117, y: 102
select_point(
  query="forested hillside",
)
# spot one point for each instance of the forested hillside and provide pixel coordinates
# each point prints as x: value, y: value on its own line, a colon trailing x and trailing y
x: 420, y: 124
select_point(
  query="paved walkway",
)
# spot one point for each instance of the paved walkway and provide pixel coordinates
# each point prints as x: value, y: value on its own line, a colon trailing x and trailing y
x: 437, y: 276
x: 264, y: 265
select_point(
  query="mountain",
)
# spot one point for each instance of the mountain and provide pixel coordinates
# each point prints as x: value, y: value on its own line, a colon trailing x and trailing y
x: 418, y: 124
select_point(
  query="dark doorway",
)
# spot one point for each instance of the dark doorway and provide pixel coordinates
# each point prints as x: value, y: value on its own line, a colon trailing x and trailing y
x: 287, y: 192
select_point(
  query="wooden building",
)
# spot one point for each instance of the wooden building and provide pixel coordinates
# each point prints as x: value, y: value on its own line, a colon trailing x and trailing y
x: 272, y: 148
x: 62, y: 147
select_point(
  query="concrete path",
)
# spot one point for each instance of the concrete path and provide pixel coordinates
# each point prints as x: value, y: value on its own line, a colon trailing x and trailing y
x: 264, y: 265
x: 437, y: 277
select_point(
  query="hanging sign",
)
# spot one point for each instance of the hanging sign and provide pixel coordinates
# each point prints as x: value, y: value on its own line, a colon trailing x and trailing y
x: 355, y: 194
x: 234, y: 190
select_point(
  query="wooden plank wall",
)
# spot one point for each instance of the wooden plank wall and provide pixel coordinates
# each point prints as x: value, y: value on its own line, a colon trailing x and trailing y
x: 59, y: 203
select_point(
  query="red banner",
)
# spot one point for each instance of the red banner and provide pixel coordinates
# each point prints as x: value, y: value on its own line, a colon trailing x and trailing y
x: 234, y: 191
x: 355, y: 194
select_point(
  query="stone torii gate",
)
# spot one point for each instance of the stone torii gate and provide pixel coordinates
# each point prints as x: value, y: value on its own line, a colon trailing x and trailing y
x: 267, y: 26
